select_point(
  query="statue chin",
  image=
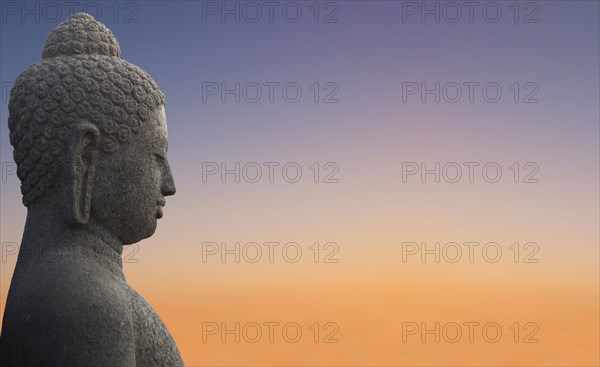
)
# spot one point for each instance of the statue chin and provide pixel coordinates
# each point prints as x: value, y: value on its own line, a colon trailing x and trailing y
x: 135, y: 237
x: 128, y: 231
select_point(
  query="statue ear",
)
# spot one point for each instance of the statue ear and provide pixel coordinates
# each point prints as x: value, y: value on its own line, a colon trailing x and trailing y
x: 83, y: 149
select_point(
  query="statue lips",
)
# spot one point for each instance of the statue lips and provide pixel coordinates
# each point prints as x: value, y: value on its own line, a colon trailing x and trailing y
x: 159, y: 208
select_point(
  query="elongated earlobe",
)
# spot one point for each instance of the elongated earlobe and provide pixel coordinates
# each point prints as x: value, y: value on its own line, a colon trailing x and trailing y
x: 83, y: 149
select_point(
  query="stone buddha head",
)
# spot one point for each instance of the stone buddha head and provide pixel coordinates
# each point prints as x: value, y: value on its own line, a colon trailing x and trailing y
x: 90, y: 142
x: 89, y: 134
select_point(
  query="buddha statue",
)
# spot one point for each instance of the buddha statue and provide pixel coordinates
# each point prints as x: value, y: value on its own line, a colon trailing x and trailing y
x: 90, y: 143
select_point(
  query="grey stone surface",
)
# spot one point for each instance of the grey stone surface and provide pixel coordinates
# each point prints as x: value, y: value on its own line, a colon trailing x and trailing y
x: 90, y: 142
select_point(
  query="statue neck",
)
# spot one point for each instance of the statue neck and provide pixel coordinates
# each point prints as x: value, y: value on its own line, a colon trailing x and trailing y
x: 47, y: 237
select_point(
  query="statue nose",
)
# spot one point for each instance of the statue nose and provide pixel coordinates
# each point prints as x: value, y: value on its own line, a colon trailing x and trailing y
x: 169, y: 190
x: 168, y: 184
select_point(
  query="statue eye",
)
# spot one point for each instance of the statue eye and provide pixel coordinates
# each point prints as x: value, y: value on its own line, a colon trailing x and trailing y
x: 160, y: 157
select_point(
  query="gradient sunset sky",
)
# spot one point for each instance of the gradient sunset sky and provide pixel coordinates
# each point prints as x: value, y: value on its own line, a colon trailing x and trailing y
x: 363, y: 54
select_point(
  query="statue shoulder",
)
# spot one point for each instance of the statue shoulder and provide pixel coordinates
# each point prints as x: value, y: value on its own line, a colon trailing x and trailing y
x: 66, y: 314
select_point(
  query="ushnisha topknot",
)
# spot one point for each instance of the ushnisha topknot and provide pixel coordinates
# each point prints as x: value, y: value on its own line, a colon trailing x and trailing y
x: 81, y: 34
x: 81, y: 77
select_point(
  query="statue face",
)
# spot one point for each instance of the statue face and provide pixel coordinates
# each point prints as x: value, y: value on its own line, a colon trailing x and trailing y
x: 131, y: 184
